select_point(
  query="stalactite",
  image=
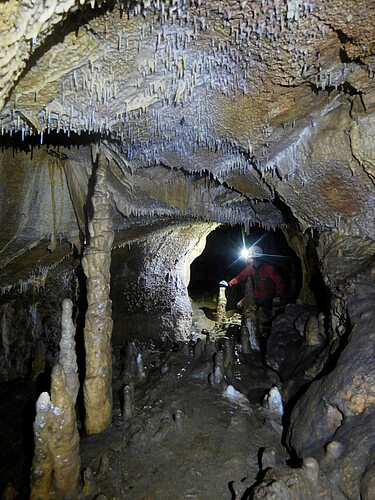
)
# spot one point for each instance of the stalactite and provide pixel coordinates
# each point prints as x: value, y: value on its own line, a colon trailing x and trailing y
x: 96, y: 263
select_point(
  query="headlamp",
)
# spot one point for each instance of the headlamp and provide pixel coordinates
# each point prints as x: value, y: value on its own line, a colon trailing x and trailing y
x: 245, y: 253
x: 251, y: 253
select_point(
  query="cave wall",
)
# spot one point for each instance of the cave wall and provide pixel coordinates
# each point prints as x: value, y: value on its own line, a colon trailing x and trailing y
x: 339, y: 406
x: 31, y: 322
x: 35, y: 203
x: 149, y: 282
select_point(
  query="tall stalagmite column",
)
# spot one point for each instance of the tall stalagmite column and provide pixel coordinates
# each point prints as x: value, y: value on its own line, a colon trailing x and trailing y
x: 96, y: 263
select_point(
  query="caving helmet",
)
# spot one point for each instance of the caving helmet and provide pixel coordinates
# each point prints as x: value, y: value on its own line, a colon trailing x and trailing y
x: 255, y: 252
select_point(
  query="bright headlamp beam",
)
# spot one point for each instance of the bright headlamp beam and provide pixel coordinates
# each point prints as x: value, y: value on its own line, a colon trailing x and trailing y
x: 244, y: 253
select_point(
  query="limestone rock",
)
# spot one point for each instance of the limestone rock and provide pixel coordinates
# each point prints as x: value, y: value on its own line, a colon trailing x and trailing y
x: 221, y: 305
x: 296, y: 483
x: 41, y: 472
x: 340, y: 405
x: 98, y: 325
x: 67, y: 357
x: 56, y: 463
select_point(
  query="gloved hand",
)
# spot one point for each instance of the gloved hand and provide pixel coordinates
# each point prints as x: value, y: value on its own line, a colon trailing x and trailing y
x: 223, y: 283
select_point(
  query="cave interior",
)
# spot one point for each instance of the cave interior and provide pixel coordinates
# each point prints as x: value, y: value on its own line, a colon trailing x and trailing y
x: 143, y: 145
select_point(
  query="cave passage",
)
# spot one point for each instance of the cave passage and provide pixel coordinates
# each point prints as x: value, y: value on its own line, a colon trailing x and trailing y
x: 221, y: 260
x: 143, y: 144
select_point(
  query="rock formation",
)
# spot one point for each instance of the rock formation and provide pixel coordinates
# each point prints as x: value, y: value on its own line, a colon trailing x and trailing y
x: 96, y: 263
x: 41, y: 472
x: 67, y: 358
x: 56, y: 463
x: 221, y: 305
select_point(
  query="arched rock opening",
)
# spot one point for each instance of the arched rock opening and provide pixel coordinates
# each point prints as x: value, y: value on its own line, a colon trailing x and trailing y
x: 221, y: 260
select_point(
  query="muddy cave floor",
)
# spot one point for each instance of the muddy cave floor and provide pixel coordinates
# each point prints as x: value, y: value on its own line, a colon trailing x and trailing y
x: 187, y: 437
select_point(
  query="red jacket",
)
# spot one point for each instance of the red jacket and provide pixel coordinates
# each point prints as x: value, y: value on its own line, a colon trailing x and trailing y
x: 267, y: 283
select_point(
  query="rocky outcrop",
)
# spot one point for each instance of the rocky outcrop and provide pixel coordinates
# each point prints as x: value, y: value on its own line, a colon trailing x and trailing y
x: 296, y: 483
x: 340, y: 405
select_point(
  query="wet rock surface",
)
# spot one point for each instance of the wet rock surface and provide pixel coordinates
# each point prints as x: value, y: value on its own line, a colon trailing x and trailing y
x: 296, y: 347
x: 304, y: 482
x: 204, y: 418
x: 338, y: 407
x: 186, y: 438
x: 180, y: 427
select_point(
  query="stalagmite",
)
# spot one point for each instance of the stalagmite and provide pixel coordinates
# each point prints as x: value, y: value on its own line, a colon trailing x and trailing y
x: 221, y: 305
x: 312, y: 333
x: 88, y: 488
x: 229, y: 354
x: 209, y: 347
x: 198, y: 348
x: 131, y: 371
x: 273, y: 402
x: 64, y: 440
x: 334, y: 450
x: 185, y: 348
x: 96, y: 263
x: 140, y: 368
x: 67, y: 356
x: 217, y: 376
x: 128, y: 406
x: 56, y: 463
x: 245, y: 339
x: 177, y: 418
x: 41, y: 471
x: 268, y: 459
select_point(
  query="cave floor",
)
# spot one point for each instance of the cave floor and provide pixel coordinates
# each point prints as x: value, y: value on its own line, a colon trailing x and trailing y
x: 186, y: 439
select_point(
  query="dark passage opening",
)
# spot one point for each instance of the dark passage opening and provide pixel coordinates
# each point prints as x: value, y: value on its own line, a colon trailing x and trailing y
x: 221, y: 260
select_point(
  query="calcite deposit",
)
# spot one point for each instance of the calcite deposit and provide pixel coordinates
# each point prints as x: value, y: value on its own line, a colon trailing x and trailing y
x: 221, y: 305
x: 56, y: 463
x: 67, y: 358
x: 96, y: 263
x: 41, y: 472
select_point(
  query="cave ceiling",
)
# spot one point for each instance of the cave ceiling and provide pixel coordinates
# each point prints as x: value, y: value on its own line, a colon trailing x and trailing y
x: 224, y: 111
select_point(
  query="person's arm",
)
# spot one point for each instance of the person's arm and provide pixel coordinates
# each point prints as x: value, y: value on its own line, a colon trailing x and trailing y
x: 240, y: 277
